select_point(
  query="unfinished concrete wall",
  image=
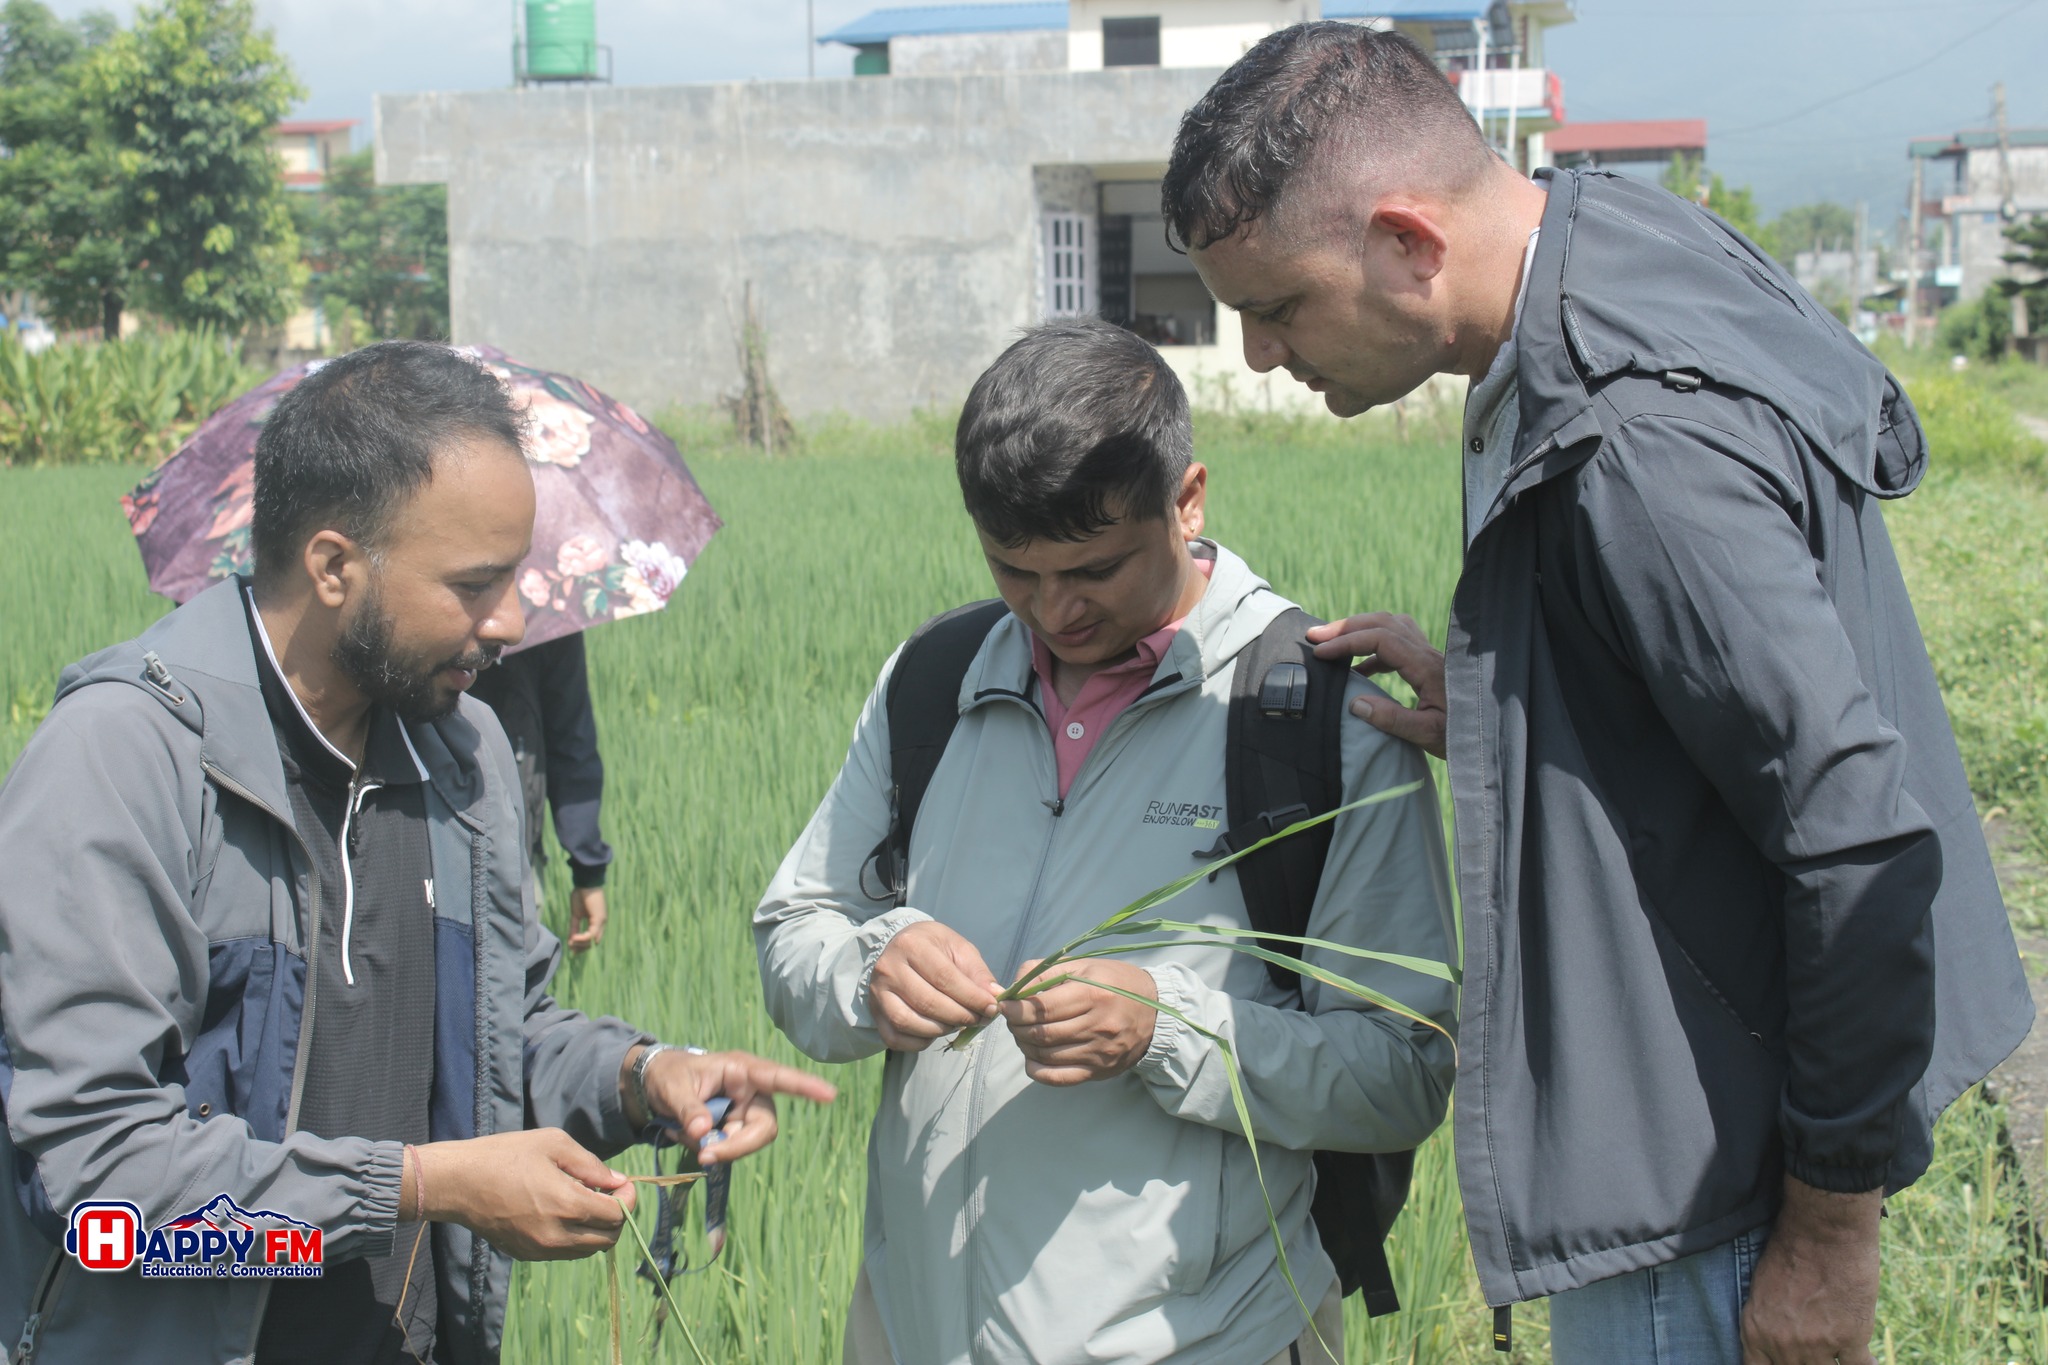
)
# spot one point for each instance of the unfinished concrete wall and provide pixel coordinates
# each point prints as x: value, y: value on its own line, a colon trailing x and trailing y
x: 889, y: 227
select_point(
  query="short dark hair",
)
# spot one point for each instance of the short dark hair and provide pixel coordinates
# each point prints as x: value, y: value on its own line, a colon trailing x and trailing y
x: 1078, y: 425
x: 354, y: 439
x: 1273, y: 111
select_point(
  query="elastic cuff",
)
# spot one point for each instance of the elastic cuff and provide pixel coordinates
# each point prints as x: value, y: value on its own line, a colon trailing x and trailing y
x: 881, y: 931
x: 586, y: 876
x: 383, y: 1182
x: 1167, y: 1031
x: 1836, y: 1179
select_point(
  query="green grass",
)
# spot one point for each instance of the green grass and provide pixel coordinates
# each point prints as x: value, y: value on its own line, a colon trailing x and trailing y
x: 1962, y: 1269
x: 1974, y: 544
x: 725, y: 718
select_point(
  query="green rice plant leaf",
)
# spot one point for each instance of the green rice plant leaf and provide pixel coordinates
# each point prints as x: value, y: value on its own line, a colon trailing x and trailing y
x: 1019, y: 989
x: 1442, y: 971
x: 1292, y: 964
x: 647, y: 1253
x: 1244, y: 1118
x: 1163, y: 894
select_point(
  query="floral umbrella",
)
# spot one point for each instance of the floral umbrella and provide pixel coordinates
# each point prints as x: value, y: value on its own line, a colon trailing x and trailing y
x: 618, y: 520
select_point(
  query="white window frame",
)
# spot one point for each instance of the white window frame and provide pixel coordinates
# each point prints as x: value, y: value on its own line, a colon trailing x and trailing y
x: 1069, y: 251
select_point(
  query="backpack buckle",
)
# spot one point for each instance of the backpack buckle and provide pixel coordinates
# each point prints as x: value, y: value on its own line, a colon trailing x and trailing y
x: 1283, y: 695
x: 1264, y: 825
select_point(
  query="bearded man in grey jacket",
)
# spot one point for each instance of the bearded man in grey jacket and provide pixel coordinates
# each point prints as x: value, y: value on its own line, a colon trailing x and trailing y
x: 265, y: 941
x: 1732, y: 937
x: 1075, y: 1187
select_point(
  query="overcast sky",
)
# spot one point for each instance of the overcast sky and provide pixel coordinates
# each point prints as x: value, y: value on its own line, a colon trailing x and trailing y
x: 1751, y: 68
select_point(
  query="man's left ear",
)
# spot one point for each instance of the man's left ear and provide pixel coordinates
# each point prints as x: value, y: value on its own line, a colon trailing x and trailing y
x: 1187, y: 504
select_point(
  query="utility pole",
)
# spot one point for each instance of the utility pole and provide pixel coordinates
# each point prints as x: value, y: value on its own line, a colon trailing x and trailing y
x: 1514, y: 91
x: 811, y: 39
x: 1913, y: 254
x: 1858, y: 288
x: 2006, y: 208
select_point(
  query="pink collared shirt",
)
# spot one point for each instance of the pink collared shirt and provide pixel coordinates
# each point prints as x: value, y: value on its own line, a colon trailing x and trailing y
x: 1102, y: 697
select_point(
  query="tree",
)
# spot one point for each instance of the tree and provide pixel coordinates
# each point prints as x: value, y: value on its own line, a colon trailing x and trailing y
x: 61, y: 239
x: 2029, y: 255
x: 1809, y: 227
x: 189, y: 95
x: 382, y: 251
x: 1688, y: 178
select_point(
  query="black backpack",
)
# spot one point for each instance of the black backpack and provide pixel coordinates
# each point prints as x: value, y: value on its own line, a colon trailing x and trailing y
x: 1282, y: 764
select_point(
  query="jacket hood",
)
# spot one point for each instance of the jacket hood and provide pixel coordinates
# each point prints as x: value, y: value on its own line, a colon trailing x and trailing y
x: 1630, y: 278
x: 199, y: 662
x: 1235, y: 609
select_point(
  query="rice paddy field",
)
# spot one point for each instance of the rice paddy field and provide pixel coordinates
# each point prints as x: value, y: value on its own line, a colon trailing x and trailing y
x: 724, y: 718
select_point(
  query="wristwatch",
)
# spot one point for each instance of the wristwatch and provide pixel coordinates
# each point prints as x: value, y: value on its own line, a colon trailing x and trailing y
x: 640, y: 1065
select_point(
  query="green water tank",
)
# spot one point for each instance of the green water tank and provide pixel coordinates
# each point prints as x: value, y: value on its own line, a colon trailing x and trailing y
x: 561, y: 40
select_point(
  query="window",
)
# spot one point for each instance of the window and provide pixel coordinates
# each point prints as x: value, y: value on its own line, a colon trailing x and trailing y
x: 1130, y: 42
x: 1113, y: 267
x: 1069, y: 282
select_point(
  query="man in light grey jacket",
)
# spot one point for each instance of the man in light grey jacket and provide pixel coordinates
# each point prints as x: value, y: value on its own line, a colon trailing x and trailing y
x: 1075, y: 1187
x: 264, y: 951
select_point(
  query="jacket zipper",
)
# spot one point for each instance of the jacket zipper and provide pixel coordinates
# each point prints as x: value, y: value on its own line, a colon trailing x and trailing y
x: 25, y: 1347
x: 46, y: 1293
x: 358, y: 789
x: 1057, y: 805
x: 304, y: 1049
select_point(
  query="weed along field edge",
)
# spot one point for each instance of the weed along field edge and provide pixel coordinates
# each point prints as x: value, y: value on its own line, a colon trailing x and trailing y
x: 724, y: 718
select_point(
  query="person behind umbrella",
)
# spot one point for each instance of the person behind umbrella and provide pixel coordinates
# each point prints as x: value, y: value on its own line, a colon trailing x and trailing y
x: 264, y: 931
x: 1716, y: 850
x: 542, y: 697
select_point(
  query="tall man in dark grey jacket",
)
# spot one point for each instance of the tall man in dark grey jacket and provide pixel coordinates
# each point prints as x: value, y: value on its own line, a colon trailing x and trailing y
x: 1732, y: 935
x: 264, y: 936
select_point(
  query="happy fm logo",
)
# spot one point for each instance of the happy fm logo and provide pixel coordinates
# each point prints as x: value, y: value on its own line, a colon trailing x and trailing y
x: 222, y: 1240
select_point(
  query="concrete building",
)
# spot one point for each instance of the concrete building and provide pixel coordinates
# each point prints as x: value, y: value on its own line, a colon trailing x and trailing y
x: 1491, y: 49
x: 896, y: 228
x: 1971, y: 186
x: 308, y: 147
x: 1644, y: 145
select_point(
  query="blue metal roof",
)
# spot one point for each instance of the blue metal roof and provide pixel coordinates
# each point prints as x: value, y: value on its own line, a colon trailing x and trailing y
x: 921, y: 20
x: 1408, y: 11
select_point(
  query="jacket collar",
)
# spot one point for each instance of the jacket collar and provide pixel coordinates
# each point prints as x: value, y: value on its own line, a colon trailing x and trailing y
x: 389, y: 756
x: 205, y: 673
x: 1631, y: 279
x: 1236, y: 607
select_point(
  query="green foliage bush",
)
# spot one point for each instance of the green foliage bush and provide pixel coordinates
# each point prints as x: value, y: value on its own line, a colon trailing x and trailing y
x: 130, y: 400
x: 1977, y: 330
x: 1974, y: 544
x: 1970, y: 427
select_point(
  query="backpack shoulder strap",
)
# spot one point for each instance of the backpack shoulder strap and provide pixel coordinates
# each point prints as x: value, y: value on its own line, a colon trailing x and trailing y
x: 1283, y: 763
x: 923, y: 705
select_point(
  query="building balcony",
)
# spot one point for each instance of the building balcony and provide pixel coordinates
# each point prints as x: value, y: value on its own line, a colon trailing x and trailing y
x: 1532, y: 93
